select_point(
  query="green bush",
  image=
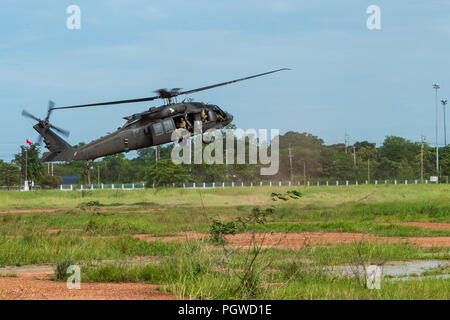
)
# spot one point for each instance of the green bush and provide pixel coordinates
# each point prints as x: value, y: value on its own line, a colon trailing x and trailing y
x: 218, y: 229
x: 61, y: 269
x: 50, y: 182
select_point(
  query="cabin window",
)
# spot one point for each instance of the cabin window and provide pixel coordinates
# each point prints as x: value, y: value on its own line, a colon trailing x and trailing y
x: 158, y: 129
x: 168, y: 126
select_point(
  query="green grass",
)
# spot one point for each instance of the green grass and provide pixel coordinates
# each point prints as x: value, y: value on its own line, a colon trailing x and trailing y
x: 95, y: 228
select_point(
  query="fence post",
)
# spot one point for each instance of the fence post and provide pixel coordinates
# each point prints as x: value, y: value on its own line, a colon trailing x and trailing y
x: 346, y: 183
x: 270, y: 183
x: 318, y: 183
x: 260, y: 183
x: 214, y: 185
x: 376, y: 181
x: 251, y: 184
x: 184, y: 185
x: 242, y: 183
x: 356, y: 182
x: 61, y: 187
x: 193, y: 185
x: 71, y: 187
x: 308, y: 183
x: 406, y: 181
x: 289, y: 183
x: 367, y: 182
x: 337, y: 182
x: 426, y: 181
x: 395, y: 181
x: 223, y: 184
x: 81, y: 187
x: 327, y: 183
x: 232, y: 184
x: 112, y: 186
x: 204, y: 185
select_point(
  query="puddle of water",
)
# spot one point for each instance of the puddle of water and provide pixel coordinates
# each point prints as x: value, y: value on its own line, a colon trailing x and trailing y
x: 395, y: 269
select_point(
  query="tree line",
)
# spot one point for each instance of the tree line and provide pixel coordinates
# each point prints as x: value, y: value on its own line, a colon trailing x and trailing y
x: 303, y: 157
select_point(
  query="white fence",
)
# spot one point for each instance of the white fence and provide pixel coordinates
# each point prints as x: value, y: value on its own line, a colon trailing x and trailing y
x: 209, y: 185
x: 119, y: 186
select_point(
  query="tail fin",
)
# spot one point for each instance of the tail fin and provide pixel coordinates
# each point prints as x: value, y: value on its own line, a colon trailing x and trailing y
x: 54, y: 143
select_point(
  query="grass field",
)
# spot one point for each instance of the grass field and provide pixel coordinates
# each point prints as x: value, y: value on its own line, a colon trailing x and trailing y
x: 284, y: 249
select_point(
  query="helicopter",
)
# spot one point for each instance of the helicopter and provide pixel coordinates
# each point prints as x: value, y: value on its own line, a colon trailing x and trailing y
x: 149, y: 128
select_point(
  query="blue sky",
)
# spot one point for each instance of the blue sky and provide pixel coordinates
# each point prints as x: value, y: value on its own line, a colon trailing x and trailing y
x: 344, y: 78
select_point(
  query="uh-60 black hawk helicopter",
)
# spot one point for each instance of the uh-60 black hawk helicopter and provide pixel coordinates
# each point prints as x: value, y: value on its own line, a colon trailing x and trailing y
x: 149, y: 128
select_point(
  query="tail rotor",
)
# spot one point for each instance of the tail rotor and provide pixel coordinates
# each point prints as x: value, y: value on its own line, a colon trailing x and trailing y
x: 45, y: 124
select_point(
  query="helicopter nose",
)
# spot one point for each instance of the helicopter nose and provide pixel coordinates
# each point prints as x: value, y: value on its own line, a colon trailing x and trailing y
x: 229, y: 118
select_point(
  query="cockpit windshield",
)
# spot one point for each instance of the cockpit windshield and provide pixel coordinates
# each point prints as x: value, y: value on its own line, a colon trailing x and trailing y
x: 219, y: 111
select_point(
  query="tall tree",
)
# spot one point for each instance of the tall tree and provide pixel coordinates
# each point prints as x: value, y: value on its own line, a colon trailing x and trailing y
x: 9, y: 174
x: 28, y: 160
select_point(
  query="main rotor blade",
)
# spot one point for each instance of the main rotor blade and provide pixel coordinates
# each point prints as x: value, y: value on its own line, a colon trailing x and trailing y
x: 230, y: 82
x: 170, y: 94
x: 107, y: 103
x: 29, y: 115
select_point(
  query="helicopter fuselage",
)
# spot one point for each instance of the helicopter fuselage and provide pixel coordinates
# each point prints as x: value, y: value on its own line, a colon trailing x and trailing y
x: 150, y: 128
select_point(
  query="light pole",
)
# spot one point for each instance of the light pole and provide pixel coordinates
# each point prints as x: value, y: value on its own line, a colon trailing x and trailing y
x: 436, y: 86
x: 444, y: 103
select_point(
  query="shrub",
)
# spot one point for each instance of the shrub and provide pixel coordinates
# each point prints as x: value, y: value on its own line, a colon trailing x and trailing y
x: 218, y: 229
x: 50, y: 182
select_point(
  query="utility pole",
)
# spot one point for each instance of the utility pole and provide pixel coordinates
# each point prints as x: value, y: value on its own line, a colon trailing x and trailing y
x: 304, y: 172
x: 444, y: 103
x: 421, y: 159
x: 290, y: 161
x: 436, y: 86
x: 368, y: 170
x: 346, y: 141
x: 26, y: 165
x: 156, y: 154
x: 354, y: 156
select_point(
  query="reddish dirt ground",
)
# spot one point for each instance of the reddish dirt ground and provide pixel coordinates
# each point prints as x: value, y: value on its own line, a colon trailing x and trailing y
x: 299, y: 240
x: 427, y: 225
x: 31, y: 285
x: 31, y: 211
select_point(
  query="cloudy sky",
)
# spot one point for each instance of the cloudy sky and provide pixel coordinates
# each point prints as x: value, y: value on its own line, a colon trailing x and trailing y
x: 345, y: 77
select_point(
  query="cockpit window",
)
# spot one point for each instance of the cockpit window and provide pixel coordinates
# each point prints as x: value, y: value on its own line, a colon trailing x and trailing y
x: 168, y: 125
x: 158, y: 129
x: 219, y: 111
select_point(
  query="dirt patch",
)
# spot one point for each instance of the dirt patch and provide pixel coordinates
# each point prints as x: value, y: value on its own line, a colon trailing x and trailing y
x: 300, y: 240
x: 18, y: 211
x: 31, y: 284
x: 427, y: 225
x: 56, y: 231
x: 181, y: 236
x: 31, y: 289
